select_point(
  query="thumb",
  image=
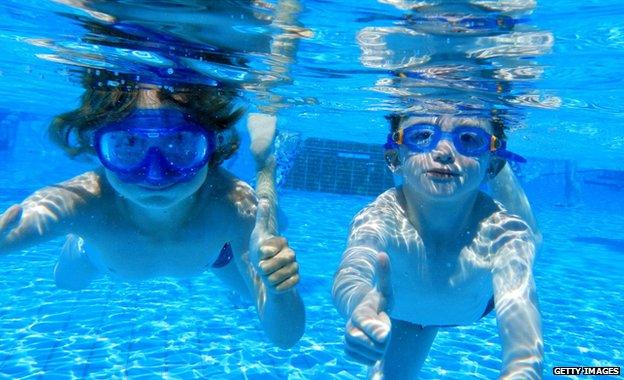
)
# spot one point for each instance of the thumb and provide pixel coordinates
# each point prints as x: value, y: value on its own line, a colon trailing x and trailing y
x: 383, y: 280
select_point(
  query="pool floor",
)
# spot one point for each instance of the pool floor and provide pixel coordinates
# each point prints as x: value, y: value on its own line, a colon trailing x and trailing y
x: 192, y: 328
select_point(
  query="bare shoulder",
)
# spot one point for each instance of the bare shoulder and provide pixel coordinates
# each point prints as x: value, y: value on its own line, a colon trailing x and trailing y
x: 89, y: 183
x: 388, y: 206
x: 379, y: 219
x: 243, y: 197
x: 236, y: 192
x: 79, y: 189
x: 506, y: 234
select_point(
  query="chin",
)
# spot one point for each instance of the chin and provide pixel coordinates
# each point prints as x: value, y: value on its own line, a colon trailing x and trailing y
x: 438, y: 190
x: 155, y: 200
x: 156, y: 197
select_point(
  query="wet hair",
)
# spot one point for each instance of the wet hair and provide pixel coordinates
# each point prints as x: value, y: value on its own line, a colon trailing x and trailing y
x: 212, y: 107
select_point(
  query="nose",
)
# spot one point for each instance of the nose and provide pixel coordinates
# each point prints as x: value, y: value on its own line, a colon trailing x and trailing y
x: 156, y: 175
x: 444, y: 152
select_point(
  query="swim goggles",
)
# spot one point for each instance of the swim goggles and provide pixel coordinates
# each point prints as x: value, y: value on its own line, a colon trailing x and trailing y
x: 157, y: 146
x: 468, y: 141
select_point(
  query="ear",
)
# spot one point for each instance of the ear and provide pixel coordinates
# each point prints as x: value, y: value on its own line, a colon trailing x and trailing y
x: 391, y: 156
x: 495, y: 166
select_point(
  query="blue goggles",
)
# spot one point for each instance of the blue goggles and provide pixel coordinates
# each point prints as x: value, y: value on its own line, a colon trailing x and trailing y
x: 157, y: 146
x: 468, y: 141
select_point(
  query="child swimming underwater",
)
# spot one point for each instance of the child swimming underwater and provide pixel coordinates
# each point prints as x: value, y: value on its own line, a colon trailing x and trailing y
x: 160, y: 205
x: 437, y: 252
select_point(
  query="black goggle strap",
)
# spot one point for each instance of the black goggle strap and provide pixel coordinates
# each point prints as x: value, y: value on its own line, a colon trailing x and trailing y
x: 499, y: 148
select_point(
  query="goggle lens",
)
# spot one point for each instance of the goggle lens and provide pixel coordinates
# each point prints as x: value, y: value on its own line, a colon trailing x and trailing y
x: 126, y: 149
x: 470, y: 141
x: 473, y: 141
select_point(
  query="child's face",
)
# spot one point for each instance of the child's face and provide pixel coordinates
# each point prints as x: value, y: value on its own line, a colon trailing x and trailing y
x: 443, y: 172
x: 157, y: 155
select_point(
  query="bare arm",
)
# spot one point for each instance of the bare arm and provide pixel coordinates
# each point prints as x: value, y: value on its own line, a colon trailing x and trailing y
x: 271, y: 272
x: 507, y: 190
x: 355, y: 276
x: 517, y: 310
x: 272, y: 269
x: 282, y: 314
x: 49, y: 212
x: 362, y: 290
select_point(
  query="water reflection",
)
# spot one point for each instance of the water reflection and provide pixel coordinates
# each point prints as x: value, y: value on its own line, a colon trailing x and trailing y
x: 458, y: 56
x: 248, y: 44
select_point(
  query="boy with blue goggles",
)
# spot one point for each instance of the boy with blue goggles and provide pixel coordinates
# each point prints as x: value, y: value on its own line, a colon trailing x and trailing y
x: 157, y: 146
x: 459, y: 252
x: 468, y: 141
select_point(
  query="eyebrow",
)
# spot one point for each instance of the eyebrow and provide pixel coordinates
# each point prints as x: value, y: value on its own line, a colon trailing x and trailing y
x: 471, y: 123
x: 419, y: 120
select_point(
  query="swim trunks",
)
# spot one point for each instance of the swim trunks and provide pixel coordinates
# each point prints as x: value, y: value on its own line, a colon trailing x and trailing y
x: 225, y: 256
x: 488, y: 309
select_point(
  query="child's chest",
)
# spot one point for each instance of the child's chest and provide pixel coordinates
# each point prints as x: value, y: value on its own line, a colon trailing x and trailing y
x: 128, y: 252
x: 440, y: 287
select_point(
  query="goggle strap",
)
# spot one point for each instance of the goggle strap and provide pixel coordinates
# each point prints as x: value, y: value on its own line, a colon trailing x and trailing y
x: 391, y: 140
x: 510, y: 156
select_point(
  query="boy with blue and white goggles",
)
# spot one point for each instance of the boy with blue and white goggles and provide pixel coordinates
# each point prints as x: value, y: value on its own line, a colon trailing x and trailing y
x: 468, y: 141
x: 158, y: 146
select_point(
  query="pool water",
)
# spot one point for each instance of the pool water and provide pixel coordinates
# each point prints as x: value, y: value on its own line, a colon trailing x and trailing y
x: 193, y: 328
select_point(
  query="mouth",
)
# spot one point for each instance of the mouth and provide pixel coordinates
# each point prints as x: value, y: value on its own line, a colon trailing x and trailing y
x: 157, y: 188
x: 441, y: 173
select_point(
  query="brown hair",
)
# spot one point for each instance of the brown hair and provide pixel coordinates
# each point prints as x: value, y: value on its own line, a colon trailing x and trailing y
x: 211, y: 106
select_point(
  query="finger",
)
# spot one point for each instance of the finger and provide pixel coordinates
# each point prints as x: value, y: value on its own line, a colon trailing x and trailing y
x: 10, y: 218
x: 272, y: 246
x: 355, y: 355
x: 374, y: 325
x: 277, y: 262
x: 384, y: 335
x: 383, y: 280
x: 262, y: 128
x: 358, y: 340
x: 287, y: 284
x: 283, y: 274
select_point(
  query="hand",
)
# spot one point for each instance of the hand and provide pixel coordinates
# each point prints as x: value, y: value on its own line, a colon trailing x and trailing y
x: 9, y: 220
x: 262, y: 128
x: 368, y: 329
x: 274, y: 260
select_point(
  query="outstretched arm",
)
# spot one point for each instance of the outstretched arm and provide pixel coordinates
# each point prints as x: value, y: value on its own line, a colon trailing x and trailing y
x: 355, y: 276
x: 517, y: 310
x: 362, y: 291
x: 507, y: 190
x: 47, y: 213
